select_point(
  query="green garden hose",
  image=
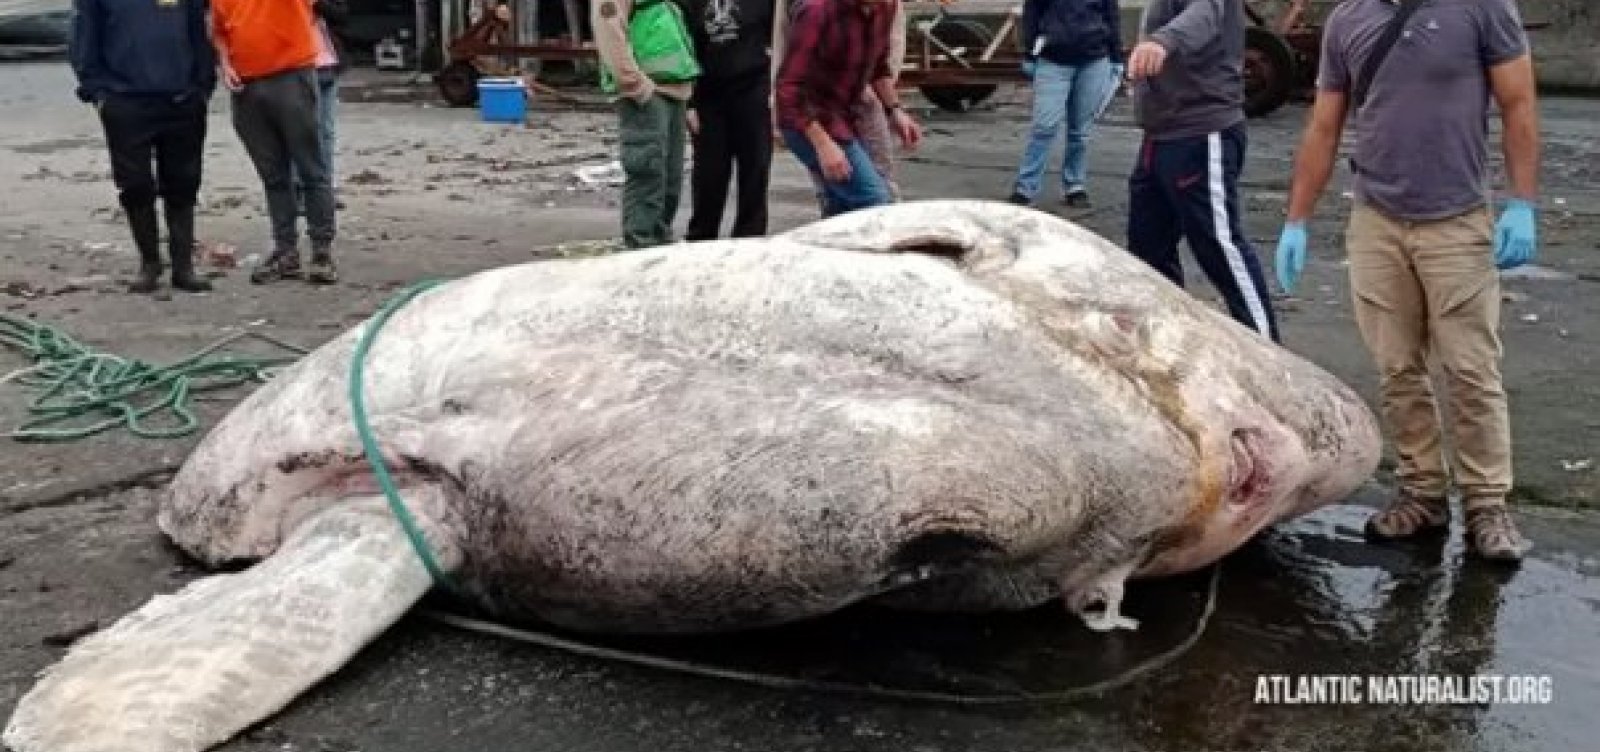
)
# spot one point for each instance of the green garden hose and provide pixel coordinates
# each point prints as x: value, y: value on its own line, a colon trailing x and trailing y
x: 91, y: 392
x: 369, y: 443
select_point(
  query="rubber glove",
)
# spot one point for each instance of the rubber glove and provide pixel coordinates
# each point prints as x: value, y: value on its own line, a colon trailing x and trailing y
x: 1291, y: 255
x: 1515, y: 236
x: 1028, y: 67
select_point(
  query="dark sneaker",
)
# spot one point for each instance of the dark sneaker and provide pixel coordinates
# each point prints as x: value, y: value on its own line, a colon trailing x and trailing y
x: 1491, y: 534
x: 1020, y: 200
x: 188, y: 282
x: 1077, y: 199
x: 1409, y: 515
x: 281, y: 265
x: 146, y: 281
x: 322, y: 270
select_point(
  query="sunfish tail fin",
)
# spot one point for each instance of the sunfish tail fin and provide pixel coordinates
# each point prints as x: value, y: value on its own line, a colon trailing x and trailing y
x: 190, y: 670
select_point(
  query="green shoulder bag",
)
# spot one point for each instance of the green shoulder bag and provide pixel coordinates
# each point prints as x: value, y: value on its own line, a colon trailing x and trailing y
x: 661, y: 45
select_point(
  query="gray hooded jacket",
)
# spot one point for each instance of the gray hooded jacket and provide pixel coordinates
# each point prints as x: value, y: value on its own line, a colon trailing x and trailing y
x: 1201, y: 87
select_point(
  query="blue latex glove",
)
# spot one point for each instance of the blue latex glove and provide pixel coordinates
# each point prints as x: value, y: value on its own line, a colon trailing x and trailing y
x: 1515, y: 236
x: 1291, y: 255
x: 1028, y: 67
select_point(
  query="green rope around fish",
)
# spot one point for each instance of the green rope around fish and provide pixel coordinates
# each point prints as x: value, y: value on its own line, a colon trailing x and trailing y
x: 369, y: 442
x: 83, y: 392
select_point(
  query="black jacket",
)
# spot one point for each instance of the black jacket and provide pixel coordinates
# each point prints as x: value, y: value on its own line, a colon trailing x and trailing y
x: 141, y: 48
x: 1074, y: 31
x: 731, y: 40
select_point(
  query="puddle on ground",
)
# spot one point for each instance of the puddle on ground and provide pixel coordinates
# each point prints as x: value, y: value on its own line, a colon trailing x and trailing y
x: 1309, y: 598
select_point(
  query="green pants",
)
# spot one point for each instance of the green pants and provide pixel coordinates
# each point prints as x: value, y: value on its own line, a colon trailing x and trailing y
x: 652, y: 142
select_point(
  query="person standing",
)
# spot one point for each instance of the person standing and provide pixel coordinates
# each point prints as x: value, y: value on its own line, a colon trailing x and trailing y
x: 872, y: 121
x: 268, y: 52
x: 1188, y: 87
x: 835, y: 48
x: 730, y: 112
x: 149, y: 71
x: 1423, y: 242
x: 651, y: 112
x: 329, y: 16
x: 1074, y: 57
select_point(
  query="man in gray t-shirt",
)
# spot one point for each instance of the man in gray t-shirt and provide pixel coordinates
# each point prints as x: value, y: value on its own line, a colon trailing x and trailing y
x: 1422, y: 241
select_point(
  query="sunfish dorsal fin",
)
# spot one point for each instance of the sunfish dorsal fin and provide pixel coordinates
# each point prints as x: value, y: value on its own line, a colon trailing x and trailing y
x: 189, y: 670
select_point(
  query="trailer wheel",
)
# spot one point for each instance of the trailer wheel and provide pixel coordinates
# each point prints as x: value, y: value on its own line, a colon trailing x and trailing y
x: 956, y: 34
x: 458, y: 84
x: 1269, y: 71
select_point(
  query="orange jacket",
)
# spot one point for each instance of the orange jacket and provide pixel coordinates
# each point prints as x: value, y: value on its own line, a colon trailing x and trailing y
x: 264, y: 37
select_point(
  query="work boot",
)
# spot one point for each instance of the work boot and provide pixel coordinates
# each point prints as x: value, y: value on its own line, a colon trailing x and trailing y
x: 180, y: 246
x: 322, y: 271
x: 146, y: 229
x: 1491, y: 534
x: 1409, y: 515
x: 284, y: 263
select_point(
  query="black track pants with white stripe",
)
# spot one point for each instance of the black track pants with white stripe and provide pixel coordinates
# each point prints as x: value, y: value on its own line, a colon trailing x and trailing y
x: 1187, y: 188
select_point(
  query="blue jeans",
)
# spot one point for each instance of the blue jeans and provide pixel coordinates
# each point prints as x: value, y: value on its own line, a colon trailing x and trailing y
x: 1060, y: 92
x: 327, y: 100
x: 864, y: 189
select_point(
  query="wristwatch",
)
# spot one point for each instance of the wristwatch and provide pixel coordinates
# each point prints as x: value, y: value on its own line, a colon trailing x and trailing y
x: 889, y: 109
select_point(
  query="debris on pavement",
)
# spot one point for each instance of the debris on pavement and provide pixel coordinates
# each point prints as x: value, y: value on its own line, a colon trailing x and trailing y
x: 21, y: 290
x: 1534, y: 271
x: 609, y: 174
x: 367, y: 177
x: 219, y: 255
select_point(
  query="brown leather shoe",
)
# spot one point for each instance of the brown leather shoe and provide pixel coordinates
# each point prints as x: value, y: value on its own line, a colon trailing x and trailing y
x: 282, y: 264
x: 322, y: 271
x: 1492, y: 534
x: 1410, y: 515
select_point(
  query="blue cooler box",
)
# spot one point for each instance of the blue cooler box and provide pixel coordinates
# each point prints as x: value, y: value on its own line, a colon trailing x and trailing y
x: 502, y: 100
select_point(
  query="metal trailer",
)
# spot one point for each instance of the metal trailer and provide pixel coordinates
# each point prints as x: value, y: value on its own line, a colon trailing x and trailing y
x: 954, y: 60
x: 957, y: 59
x: 1282, y: 55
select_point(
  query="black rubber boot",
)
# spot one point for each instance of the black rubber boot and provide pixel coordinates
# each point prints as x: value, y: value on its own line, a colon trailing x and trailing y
x: 180, y: 231
x: 146, y: 229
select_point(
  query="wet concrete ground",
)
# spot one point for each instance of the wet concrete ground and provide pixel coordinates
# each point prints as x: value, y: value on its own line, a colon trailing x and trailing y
x: 431, y: 192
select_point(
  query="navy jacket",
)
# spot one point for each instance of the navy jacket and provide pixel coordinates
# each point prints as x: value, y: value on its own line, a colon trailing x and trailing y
x: 142, y: 47
x: 1074, y: 31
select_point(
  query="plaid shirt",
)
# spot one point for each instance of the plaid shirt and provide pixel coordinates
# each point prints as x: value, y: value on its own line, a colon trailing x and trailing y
x: 834, y: 50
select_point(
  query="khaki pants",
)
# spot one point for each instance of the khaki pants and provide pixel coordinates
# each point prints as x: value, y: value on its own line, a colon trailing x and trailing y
x: 1426, y: 289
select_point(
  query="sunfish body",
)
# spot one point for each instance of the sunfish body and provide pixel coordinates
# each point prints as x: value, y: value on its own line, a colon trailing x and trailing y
x: 937, y: 405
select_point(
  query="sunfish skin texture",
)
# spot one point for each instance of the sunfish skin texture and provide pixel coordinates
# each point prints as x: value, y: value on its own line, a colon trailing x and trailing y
x: 942, y: 404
